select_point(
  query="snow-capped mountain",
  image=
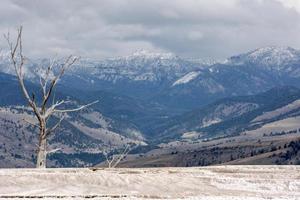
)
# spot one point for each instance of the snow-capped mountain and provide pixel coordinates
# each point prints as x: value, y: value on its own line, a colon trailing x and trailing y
x: 272, y: 58
x: 30, y: 68
x: 244, y: 74
x: 4, y: 55
x: 141, y: 73
x: 169, y: 80
x: 140, y: 66
x: 5, y: 63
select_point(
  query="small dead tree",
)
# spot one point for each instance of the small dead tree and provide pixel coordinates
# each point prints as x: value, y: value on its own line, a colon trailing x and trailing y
x: 113, y: 160
x: 45, y: 109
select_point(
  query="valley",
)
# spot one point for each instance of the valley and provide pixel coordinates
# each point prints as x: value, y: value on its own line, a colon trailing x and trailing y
x: 171, y: 111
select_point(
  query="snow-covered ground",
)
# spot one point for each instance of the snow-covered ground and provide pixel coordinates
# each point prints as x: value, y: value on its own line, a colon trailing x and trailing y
x: 218, y: 182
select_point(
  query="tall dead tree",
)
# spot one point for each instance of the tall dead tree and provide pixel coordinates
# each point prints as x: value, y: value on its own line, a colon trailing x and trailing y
x: 44, y: 109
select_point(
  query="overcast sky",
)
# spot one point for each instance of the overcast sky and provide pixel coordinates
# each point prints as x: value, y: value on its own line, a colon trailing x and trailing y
x: 190, y: 28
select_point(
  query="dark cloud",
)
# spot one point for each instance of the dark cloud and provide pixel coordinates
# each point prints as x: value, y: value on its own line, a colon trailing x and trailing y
x: 191, y: 28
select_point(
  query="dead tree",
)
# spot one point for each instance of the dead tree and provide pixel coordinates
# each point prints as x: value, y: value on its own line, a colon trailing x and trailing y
x: 114, y: 160
x: 44, y: 109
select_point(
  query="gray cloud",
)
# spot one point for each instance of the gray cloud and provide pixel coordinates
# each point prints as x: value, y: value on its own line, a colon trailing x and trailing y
x: 190, y: 28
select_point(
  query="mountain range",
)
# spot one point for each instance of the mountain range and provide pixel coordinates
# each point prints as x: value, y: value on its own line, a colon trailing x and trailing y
x: 152, y: 98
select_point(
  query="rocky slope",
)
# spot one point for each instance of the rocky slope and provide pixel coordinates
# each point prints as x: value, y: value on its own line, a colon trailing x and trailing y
x: 230, y: 116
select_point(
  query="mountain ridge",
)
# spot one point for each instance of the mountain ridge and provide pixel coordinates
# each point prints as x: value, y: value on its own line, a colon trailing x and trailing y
x: 155, y: 98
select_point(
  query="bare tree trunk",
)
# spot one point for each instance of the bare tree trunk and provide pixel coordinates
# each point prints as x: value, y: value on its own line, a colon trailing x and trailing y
x: 42, y: 150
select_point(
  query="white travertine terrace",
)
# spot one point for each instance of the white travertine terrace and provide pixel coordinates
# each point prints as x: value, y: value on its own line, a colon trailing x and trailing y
x: 217, y: 182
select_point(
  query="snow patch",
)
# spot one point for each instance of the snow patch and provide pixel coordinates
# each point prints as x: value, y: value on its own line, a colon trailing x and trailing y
x: 208, y: 122
x: 187, y: 78
x: 191, y: 135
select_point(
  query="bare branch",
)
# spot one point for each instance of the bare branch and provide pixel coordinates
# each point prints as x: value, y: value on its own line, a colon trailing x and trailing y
x: 75, y: 109
x: 116, y: 159
x: 51, y: 130
x: 44, y: 79
x: 36, y: 125
x: 53, y: 150
x: 19, y: 68
x: 53, y: 98
x: 108, y: 160
x: 69, y: 62
x: 51, y: 110
x: 121, y: 156
x: 49, y: 69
